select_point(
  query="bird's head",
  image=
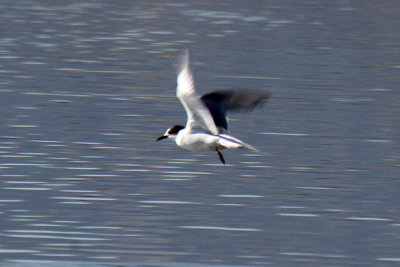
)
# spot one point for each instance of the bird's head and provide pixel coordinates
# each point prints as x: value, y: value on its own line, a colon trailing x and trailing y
x: 171, y: 132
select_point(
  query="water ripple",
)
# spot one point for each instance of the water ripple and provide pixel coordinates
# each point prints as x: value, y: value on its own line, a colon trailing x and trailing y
x: 173, y: 202
x: 219, y: 228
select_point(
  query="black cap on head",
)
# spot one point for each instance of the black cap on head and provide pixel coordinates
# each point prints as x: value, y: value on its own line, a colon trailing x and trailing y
x: 174, y: 130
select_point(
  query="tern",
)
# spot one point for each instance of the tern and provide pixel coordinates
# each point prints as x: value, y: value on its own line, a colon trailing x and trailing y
x: 207, y: 127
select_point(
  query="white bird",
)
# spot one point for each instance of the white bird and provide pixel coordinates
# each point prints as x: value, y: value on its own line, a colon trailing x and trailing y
x: 207, y: 127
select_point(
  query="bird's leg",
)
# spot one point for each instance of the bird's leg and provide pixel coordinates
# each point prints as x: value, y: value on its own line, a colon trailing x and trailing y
x: 220, y: 156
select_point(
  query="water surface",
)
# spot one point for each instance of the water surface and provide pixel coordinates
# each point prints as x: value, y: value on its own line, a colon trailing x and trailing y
x: 86, y: 87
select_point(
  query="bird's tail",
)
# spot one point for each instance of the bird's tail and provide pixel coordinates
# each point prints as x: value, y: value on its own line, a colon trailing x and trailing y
x: 228, y: 141
x: 250, y: 147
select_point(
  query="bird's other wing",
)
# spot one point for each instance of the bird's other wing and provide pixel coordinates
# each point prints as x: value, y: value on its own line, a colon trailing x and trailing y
x: 199, y: 116
x: 219, y: 102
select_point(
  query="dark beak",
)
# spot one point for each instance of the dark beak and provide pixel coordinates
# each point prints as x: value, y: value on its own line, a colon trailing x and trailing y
x: 162, y: 137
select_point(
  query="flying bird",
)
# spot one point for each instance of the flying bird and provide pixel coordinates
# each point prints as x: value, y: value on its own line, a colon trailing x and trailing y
x: 207, y: 127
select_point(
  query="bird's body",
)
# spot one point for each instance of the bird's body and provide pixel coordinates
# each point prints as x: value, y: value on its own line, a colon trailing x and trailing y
x: 207, y: 127
x: 197, y: 141
x: 206, y: 141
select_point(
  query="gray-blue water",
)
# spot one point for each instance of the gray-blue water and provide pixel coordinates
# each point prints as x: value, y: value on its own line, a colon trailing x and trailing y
x: 87, y: 86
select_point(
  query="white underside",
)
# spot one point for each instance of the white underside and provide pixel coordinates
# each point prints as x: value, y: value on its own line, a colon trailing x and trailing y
x: 204, y: 141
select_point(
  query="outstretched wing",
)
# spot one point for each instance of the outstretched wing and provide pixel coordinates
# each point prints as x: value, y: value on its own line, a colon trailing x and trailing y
x: 199, y: 116
x: 219, y: 102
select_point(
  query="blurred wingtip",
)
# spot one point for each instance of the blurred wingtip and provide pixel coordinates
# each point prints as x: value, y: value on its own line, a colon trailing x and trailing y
x: 182, y: 60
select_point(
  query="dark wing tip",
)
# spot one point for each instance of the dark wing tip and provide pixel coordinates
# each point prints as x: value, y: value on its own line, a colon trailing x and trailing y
x: 237, y: 99
x: 220, y: 102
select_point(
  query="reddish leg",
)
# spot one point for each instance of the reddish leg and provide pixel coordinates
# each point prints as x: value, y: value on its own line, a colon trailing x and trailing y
x: 221, y: 158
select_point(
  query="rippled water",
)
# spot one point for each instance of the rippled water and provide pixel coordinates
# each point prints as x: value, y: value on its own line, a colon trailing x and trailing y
x: 86, y: 87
